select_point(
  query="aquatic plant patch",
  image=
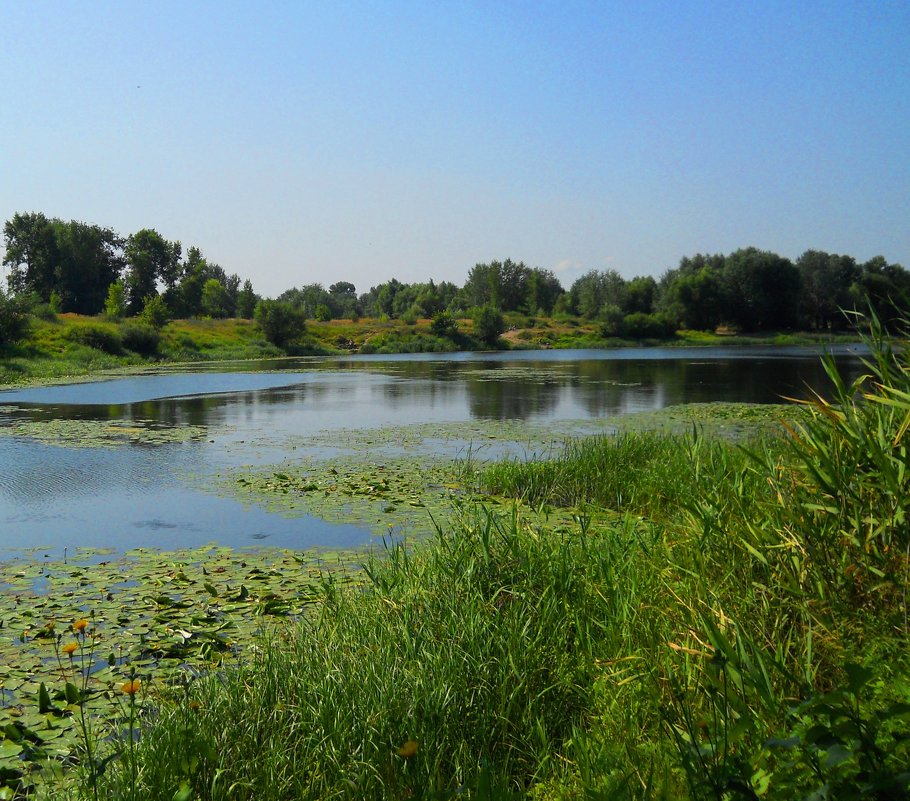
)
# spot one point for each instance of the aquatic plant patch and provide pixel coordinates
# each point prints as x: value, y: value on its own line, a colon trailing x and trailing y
x: 396, y: 496
x: 73, y: 633
x: 102, y: 433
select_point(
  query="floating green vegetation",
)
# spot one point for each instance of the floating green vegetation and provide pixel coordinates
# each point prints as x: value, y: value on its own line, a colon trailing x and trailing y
x: 72, y: 633
x: 401, y: 477
x: 714, y: 418
x: 102, y: 433
x: 401, y: 495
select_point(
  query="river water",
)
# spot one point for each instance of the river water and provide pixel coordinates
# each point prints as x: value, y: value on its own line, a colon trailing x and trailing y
x: 69, y: 493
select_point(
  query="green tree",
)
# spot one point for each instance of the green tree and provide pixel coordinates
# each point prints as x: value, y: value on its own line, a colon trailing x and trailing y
x: 89, y: 260
x: 155, y: 312
x: 31, y: 254
x: 115, y: 303
x: 488, y: 324
x: 501, y: 284
x: 640, y: 295
x: 884, y: 286
x: 308, y: 298
x: 281, y: 321
x: 215, y: 299
x: 762, y: 290
x: 595, y: 290
x: 150, y: 258
x: 542, y: 291
x: 693, y: 295
x: 827, y: 281
x: 246, y: 301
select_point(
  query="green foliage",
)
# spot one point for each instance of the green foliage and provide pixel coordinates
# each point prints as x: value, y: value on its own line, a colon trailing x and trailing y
x: 281, y: 322
x: 444, y: 324
x: 510, y: 286
x: 648, y: 326
x: 611, y: 321
x: 115, y: 304
x: 407, y: 342
x: 13, y: 319
x: 246, y: 301
x: 488, y: 324
x: 140, y: 338
x: 100, y: 337
x: 215, y: 300
x: 155, y: 312
x: 150, y: 258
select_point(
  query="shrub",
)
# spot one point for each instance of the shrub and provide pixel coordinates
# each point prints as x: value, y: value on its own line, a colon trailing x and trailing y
x: 648, y: 326
x: 611, y: 321
x: 444, y: 324
x: 140, y: 338
x: 155, y: 312
x: 13, y: 319
x: 115, y: 303
x: 281, y: 322
x: 488, y: 324
x: 96, y: 336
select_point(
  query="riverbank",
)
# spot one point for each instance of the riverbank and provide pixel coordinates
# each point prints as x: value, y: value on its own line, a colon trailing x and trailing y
x: 68, y: 347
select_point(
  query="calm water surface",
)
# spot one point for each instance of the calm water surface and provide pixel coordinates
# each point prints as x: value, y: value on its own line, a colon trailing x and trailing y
x: 53, y: 496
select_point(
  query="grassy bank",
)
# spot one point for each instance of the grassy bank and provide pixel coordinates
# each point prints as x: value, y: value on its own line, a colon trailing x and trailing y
x: 60, y: 347
x: 651, y: 616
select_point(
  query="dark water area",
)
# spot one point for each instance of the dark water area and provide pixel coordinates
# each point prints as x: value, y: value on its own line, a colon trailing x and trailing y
x: 140, y: 495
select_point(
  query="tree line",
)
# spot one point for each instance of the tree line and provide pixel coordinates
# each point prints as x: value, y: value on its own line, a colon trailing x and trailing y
x: 78, y: 267
x: 748, y: 290
x: 87, y: 269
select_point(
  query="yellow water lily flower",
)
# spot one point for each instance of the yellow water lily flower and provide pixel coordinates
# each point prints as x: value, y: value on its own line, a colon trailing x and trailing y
x: 131, y: 687
x: 408, y: 749
x: 70, y: 648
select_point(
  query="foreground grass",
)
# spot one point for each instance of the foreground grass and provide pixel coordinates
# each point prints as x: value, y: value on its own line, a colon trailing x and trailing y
x: 712, y: 624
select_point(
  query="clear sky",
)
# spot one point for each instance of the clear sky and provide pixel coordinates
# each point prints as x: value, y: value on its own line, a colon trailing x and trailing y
x: 297, y: 142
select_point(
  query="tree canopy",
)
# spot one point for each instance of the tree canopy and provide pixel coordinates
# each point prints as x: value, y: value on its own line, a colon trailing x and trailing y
x: 79, y: 267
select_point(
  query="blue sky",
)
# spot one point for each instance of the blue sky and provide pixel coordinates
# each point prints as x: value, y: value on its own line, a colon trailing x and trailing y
x: 299, y: 142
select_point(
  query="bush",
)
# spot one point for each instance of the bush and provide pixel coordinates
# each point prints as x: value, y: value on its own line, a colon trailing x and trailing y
x: 13, y: 319
x: 611, y: 321
x: 648, y: 326
x: 140, y: 338
x: 488, y: 324
x: 96, y: 336
x: 444, y: 324
x: 281, y: 322
x: 155, y: 312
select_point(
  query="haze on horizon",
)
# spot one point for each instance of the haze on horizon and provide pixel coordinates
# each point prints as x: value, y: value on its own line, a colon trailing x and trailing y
x: 297, y: 143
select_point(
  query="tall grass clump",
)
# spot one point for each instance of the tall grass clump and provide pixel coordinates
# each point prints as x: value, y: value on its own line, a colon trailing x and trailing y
x: 468, y: 662
x: 794, y: 677
x: 647, y: 473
